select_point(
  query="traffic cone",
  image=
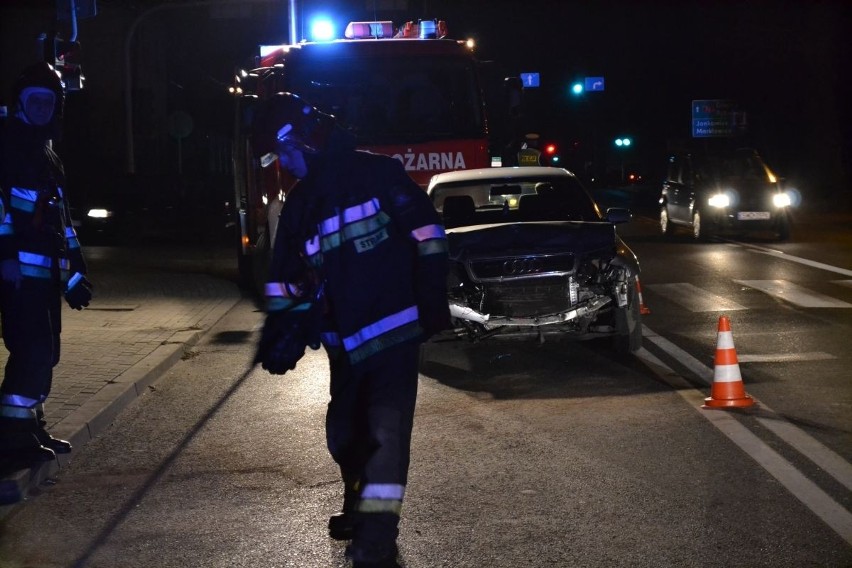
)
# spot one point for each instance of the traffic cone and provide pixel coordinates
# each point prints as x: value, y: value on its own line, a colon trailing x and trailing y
x: 643, y: 309
x: 727, y: 390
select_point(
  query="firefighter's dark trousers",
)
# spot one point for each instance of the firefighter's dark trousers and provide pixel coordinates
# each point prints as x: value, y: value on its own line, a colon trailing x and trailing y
x: 368, y: 426
x: 31, y: 322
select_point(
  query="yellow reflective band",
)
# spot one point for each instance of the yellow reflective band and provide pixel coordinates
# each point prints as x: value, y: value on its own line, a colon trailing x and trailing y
x: 380, y: 506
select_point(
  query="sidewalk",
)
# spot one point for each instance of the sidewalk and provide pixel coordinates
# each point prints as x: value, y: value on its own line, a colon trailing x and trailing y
x: 137, y: 326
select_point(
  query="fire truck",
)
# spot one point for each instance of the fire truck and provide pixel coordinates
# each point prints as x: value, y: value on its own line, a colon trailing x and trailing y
x: 408, y: 92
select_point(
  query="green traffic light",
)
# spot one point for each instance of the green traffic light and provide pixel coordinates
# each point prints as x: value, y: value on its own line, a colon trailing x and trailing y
x: 577, y: 88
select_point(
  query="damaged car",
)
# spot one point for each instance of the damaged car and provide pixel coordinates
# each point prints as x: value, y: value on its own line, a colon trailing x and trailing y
x: 532, y: 256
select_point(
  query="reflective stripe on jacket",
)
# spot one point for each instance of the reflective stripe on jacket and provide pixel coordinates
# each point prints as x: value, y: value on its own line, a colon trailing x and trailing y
x: 42, y: 253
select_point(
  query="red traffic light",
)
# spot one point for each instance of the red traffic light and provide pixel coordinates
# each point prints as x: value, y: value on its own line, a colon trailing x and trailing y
x: 550, y: 149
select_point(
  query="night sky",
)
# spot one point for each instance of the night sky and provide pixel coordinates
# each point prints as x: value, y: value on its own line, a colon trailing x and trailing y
x: 786, y: 63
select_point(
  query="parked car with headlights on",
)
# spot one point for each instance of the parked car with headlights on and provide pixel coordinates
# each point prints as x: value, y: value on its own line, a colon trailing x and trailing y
x: 532, y: 256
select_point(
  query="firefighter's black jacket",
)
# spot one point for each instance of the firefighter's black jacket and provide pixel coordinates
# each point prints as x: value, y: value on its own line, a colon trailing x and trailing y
x: 362, y: 233
x: 36, y: 227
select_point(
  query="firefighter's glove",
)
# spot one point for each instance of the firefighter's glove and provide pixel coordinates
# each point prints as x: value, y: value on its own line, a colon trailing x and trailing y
x: 78, y: 294
x: 283, y: 340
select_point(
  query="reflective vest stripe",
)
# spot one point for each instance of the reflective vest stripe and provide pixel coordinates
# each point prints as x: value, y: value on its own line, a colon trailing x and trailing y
x: 18, y: 400
x: 41, y: 260
x: 379, y: 506
x: 23, y: 199
x: 351, y: 231
x: 350, y: 215
x: 331, y: 342
x: 74, y: 280
x: 38, y: 265
x: 380, y: 327
x: 406, y: 332
x: 433, y: 246
x: 381, y: 498
x: 34, y: 259
x: 431, y: 239
x: 383, y: 491
x: 71, y: 236
x: 282, y: 304
x: 427, y: 232
x: 330, y: 338
x: 357, y: 221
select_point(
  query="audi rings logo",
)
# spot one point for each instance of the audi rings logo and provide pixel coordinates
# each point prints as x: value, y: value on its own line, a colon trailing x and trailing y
x: 519, y: 266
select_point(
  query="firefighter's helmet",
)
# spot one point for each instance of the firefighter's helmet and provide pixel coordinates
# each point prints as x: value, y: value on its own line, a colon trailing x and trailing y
x: 287, y: 119
x: 40, y: 76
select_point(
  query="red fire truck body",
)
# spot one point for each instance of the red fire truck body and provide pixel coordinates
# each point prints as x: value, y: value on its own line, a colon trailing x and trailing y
x: 421, y: 101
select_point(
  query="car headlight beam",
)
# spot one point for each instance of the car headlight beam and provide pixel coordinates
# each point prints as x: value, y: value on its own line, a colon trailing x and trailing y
x: 719, y: 200
x: 781, y: 200
x: 99, y: 213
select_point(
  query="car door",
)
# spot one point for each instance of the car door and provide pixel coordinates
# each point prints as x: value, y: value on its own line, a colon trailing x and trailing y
x: 689, y: 195
x: 673, y: 190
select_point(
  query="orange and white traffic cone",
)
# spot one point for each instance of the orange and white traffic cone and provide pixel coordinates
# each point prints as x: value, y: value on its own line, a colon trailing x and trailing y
x: 643, y: 309
x: 727, y: 390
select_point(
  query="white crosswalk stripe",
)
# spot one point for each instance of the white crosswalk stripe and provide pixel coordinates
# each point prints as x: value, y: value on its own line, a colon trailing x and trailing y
x: 794, y: 293
x: 695, y: 299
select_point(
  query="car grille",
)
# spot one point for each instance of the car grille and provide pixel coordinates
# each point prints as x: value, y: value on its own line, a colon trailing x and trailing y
x: 503, y: 268
x: 527, y: 298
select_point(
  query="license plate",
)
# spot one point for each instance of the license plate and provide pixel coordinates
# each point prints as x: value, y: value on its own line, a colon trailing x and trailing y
x: 752, y: 215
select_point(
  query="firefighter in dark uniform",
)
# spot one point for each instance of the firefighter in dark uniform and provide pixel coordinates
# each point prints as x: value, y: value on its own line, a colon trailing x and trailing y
x: 360, y: 264
x: 40, y: 261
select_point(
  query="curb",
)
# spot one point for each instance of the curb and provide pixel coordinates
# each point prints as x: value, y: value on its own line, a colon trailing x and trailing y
x: 96, y: 414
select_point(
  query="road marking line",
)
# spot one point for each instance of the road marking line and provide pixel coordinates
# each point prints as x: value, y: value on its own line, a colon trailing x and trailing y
x: 794, y: 293
x: 693, y: 298
x: 806, y: 491
x: 847, y: 283
x: 785, y: 357
x: 784, y: 256
x: 828, y: 460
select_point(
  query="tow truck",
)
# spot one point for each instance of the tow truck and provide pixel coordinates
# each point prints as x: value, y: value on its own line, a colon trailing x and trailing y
x: 408, y: 92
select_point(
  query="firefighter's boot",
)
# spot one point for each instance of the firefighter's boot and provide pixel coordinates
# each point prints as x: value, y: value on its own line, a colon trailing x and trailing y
x: 341, y: 526
x: 389, y: 560
x: 44, y: 437
x: 19, y: 443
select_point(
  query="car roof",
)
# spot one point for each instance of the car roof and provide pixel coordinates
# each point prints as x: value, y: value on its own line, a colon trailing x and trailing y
x: 508, y: 173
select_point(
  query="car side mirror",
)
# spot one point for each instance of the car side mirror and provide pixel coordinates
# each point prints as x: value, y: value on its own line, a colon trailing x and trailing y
x: 617, y: 215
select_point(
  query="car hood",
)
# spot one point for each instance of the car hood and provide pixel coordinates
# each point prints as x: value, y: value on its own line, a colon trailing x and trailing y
x: 508, y: 239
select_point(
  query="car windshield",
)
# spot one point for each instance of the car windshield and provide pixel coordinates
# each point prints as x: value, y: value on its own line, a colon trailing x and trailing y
x: 487, y: 201
x: 739, y: 166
